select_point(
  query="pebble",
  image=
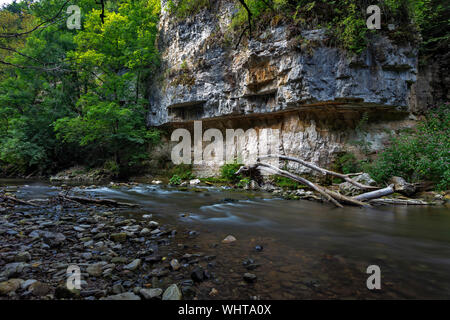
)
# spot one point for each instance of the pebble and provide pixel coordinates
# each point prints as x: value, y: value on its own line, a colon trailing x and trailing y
x: 172, y: 293
x: 175, y: 265
x: 151, y: 293
x: 123, y: 296
x: 135, y: 264
x: 23, y: 257
x: 39, y: 289
x: 197, y: 274
x: 249, y: 277
x: 118, y: 237
x: 10, y: 286
x: 95, y: 270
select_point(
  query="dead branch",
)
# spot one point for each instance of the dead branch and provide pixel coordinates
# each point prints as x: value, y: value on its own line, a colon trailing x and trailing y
x: 41, y: 25
x: 13, y: 199
x: 312, y: 166
x: 407, y: 202
x: 375, y: 194
x: 106, y: 202
x: 289, y: 175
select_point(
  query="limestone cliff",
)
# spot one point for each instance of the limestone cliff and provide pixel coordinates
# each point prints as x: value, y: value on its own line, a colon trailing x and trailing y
x: 314, y: 93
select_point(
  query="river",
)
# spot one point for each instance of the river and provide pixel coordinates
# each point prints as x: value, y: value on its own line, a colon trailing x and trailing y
x: 309, y: 250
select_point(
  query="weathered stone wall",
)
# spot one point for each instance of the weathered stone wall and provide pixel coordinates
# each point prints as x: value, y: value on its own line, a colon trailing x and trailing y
x: 315, y: 94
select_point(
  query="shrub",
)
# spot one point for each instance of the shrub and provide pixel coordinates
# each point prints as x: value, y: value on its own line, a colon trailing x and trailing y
x: 423, y: 154
x: 228, y: 171
x: 286, y: 183
x: 184, y: 171
x: 346, y: 163
x: 175, y: 180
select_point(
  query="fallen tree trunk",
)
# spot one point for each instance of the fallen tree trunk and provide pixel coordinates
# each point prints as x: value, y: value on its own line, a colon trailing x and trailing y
x: 106, y: 202
x: 312, y: 166
x: 375, y: 194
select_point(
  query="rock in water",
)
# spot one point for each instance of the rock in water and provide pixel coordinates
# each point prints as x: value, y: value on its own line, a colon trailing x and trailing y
x: 151, y: 293
x: 194, y: 181
x: 249, y: 277
x: 229, y: 239
x: 172, y: 293
x: 123, y: 296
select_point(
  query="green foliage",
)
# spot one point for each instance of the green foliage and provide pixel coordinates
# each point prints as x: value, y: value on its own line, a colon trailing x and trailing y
x: 185, y: 8
x: 286, y: 183
x: 346, y: 163
x: 228, y: 172
x: 91, y: 107
x: 420, y: 155
x: 175, y: 180
x: 184, y: 171
x: 243, y: 182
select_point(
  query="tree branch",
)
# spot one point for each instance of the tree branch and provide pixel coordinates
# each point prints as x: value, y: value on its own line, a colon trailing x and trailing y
x: 39, y: 26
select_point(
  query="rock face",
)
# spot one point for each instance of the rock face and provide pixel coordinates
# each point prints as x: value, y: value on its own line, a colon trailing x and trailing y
x: 313, y: 95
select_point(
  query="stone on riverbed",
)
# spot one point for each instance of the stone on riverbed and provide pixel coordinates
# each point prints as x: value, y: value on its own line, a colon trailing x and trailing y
x: 118, y: 237
x: 95, y: 270
x: 151, y: 293
x: 39, y: 289
x: 123, y: 296
x: 133, y: 265
x: 175, y: 265
x: 172, y: 293
x: 23, y: 257
x: 249, y: 277
x: 229, y: 239
x: 13, y: 269
x: 10, y: 286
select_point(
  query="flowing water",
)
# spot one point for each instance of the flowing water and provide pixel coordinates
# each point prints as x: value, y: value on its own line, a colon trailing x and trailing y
x: 310, y: 250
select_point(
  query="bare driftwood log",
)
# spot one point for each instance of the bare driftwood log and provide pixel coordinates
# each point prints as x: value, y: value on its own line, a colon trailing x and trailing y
x: 13, y: 199
x: 312, y: 166
x: 331, y: 196
x: 106, y: 202
x: 407, y: 202
x: 375, y: 194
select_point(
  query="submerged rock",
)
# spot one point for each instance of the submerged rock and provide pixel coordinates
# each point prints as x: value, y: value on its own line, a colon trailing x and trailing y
x: 229, y: 239
x: 249, y: 277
